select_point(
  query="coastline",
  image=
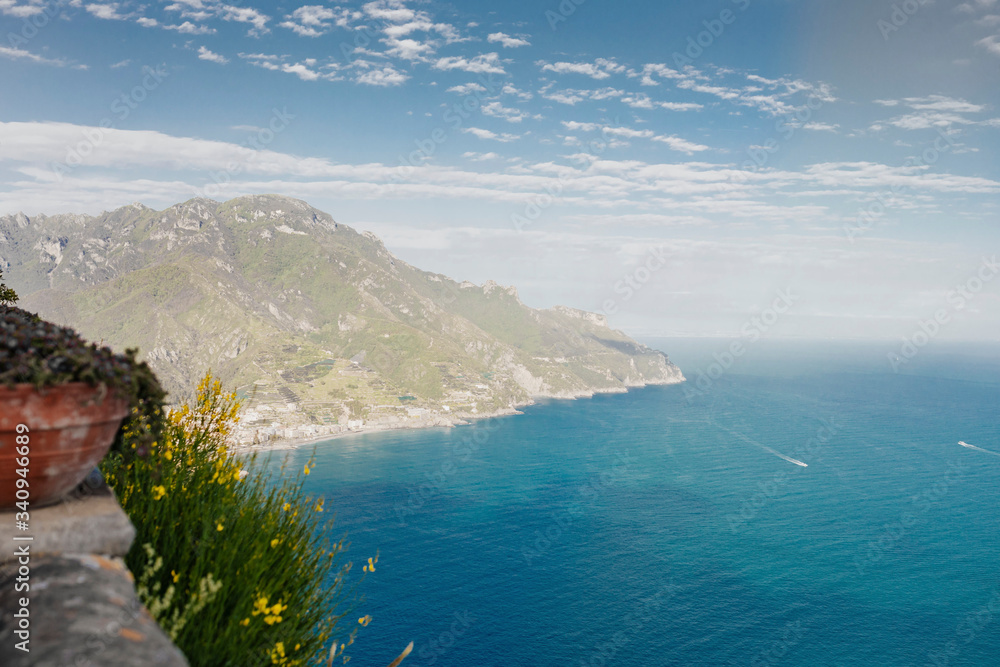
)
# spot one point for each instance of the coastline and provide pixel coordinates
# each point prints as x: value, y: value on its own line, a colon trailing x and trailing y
x: 295, y: 443
x: 463, y: 420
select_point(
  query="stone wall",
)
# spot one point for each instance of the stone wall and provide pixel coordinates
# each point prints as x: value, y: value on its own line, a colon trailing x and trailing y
x: 66, y: 595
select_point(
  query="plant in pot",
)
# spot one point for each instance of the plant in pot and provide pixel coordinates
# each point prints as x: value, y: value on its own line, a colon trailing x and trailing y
x: 62, y: 402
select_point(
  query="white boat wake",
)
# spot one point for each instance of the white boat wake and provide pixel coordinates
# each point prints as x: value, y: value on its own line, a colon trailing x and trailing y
x: 764, y: 447
x: 978, y: 449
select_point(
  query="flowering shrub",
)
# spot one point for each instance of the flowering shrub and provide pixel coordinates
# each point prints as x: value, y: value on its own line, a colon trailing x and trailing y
x: 231, y: 560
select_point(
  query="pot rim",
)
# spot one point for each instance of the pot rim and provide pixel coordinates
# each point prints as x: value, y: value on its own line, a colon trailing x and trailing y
x: 87, y: 390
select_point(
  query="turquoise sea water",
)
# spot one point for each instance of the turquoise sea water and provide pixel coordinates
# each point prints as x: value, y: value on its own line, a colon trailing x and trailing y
x: 664, y: 526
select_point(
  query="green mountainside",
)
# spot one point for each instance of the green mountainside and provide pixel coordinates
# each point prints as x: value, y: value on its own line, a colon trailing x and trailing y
x: 316, y: 323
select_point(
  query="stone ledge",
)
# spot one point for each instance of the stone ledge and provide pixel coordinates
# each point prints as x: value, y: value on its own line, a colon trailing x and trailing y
x: 82, y: 606
x: 83, y: 613
x: 87, y: 521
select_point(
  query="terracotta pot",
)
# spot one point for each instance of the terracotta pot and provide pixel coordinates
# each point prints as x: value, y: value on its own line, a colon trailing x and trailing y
x: 70, y: 429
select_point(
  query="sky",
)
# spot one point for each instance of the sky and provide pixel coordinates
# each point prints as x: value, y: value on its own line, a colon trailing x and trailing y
x: 784, y: 168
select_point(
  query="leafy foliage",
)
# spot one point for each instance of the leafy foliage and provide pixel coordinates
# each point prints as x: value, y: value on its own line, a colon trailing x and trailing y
x: 44, y: 354
x: 8, y: 297
x: 231, y: 559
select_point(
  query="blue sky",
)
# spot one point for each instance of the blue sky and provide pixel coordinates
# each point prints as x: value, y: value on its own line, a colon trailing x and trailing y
x: 674, y: 165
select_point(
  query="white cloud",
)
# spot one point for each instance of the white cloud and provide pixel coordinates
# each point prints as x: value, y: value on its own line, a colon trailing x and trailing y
x: 680, y: 106
x: 487, y: 63
x: 991, y: 44
x: 305, y: 70
x: 821, y: 127
x: 467, y: 89
x: 601, y: 68
x: 480, y: 157
x: 628, y: 132
x: 652, y: 70
x: 188, y: 28
x: 205, y: 54
x: 943, y: 103
x: 509, y: 114
x: 674, y: 142
x: 507, y: 41
x: 932, y: 111
x: 638, y: 101
x: 107, y: 11
x: 681, y: 145
x: 574, y: 126
x: 385, y: 77
x: 400, y: 24
x: 394, y: 11
x: 301, y: 70
x: 622, y: 187
x: 309, y: 20
x: 637, y: 220
x: 571, y: 96
x: 246, y: 15
x: 509, y: 89
x: 11, y: 8
x: 266, y: 61
x: 975, y: 6
x: 410, y: 49
x: 564, y: 97
x: 21, y: 54
x: 487, y: 134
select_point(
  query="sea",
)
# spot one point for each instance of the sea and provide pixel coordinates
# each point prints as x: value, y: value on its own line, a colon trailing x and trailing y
x: 803, y: 503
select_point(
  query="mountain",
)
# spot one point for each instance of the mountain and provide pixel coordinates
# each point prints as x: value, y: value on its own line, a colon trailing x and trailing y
x: 313, y: 321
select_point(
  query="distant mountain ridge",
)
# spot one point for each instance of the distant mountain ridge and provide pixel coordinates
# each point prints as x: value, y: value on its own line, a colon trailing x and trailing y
x: 276, y: 297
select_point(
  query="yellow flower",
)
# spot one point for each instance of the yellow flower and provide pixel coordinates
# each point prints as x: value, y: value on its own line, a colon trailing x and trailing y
x: 305, y: 469
x: 365, y: 620
x: 245, y: 622
x: 287, y: 507
x: 275, y: 542
x: 218, y: 527
x: 176, y: 576
x: 319, y: 505
x: 274, y: 613
x: 278, y: 654
x: 371, y: 564
x: 158, y: 492
x: 168, y: 455
x: 260, y: 606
